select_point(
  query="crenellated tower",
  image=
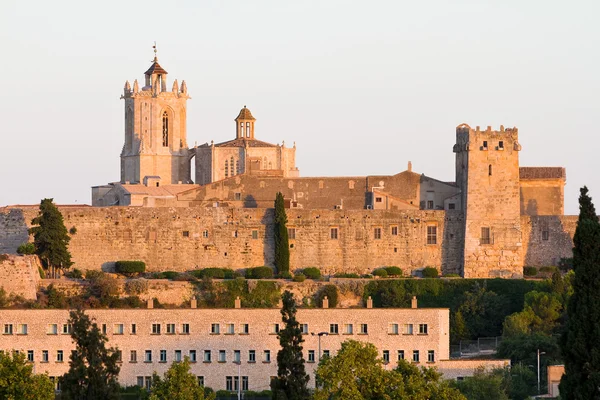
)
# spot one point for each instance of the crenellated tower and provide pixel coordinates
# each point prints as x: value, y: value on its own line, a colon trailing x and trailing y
x: 487, y: 173
x: 155, y: 130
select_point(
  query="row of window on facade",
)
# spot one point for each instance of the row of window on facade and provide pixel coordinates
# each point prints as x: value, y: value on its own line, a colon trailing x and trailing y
x: 431, y: 235
x: 229, y: 167
x: 484, y: 145
x: 231, y: 382
x: 215, y: 329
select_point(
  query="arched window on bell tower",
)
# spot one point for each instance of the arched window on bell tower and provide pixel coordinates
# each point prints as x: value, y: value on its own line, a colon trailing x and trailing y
x: 165, y: 129
x: 231, y: 166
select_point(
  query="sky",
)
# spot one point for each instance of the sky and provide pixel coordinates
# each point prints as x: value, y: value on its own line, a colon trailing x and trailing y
x: 362, y: 87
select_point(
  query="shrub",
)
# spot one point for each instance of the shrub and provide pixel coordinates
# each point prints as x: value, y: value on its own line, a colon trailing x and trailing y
x: 529, y: 271
x: 73, y: 230
x: 284, y: 275
x: 452, y: 276
x: 299, y: 278
x: 549, y: 270
x: 215, y: 273
x: 26, y: 248
x: 393, y: 271
x: 136, y: 287
x: 103, y: 287
x: 346, y: 275
x: 331, y: 291
x: 381, y: 272
x: 130, y: 267
x: 74, y: 274
x: 566, y: 264
x: 170, y: 274
x: 429, y: 272
x: 259, y: 273
x: 312, y: 272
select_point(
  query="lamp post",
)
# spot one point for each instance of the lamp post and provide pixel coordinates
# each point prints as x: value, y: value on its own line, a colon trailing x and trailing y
x: 538, y: 365
x: 319, y: 335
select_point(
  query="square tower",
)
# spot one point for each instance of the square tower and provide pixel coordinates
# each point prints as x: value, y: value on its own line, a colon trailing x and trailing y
x: 487, y: 172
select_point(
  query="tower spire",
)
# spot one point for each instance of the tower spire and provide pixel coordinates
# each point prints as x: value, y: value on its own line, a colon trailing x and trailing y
x: 155, y: 50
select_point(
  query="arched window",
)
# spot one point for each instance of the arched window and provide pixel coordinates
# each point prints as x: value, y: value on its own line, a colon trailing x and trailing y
x: 231, y: 165
x: 165, y: 130
x: 226, y: 169
x: 264, y: 162
x: 247, y: 129
x: 490, y: 170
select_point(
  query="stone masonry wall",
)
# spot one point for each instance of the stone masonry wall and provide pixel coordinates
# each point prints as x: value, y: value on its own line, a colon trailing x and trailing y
x: 546, y: 249
x: 19, y: 275
x: 187, y: 238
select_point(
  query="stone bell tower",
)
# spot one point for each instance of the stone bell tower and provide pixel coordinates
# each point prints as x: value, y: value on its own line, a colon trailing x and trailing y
x: 155, y: 130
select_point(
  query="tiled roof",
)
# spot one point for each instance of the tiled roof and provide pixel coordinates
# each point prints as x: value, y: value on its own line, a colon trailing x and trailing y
x: 155, y: 68
x: 245, y: 114
x: 243, y: 142
x: 542, y: 173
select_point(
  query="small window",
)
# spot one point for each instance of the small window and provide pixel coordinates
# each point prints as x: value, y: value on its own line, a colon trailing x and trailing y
x: 170, y: 329
x: 485, y: 145
x: 545, y: 235
x: 237, y: 356
x: 185, y: 329
x: 275, y: 328
x: 215, y: 329
x: 378, y: 200
x: 200, y: 380
x: 291, y: 233
x: 52, y: 329
x: 252, y: 356
x: 254, y: 234
x: 377, y: 233
x: 230, y: 329
x: 451, y: 206
x: 501, y: 145
x: 311, y: 356
x: 207, y: 356
x: 394, y: 231
x: 400, y: 355
x: 140, y: 381
x: 22, y: 329
x: 163, y: 356
x: 333, y: 329
x: 237, y: 196
x: 333, y: 233
x: 193, y: 357
x: 490, y: 170
x: 408, y: 329
x: 386, y: 356
x: 45, y: 356
x: 119, y: 356
x: 30, y: 356
x: 133, y: 329
x: 59, y: 356
x: 431, y: 234
x: 350, y: 184
x: 186, y: 233
x: 485, y: 235
x: 205, y: 234
x: 133, y: 356
x: 177, y: 355
x: 348, y: 329
x: 393, y: 329
x: 422, y: 329
x: 326, y: 354
x: 304, y: 329
x: 364, y: 329
x: 431, y: 356
x: 118, y: 329
x: 222, y: 356
x: 156, y: 329
x: 8, y: 329
x: 148, y: 356
x: 416, y: 356
x: 245, y: 329
x: 267, y: 356
x: 430, y: 204
x: 104, y: 329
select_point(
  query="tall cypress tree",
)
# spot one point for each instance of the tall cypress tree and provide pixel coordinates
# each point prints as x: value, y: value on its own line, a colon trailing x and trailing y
x: 50, y: 236
x: 580, y: 343
x: 93, y: 369
x: 282, y: 243
x: 291, y: 380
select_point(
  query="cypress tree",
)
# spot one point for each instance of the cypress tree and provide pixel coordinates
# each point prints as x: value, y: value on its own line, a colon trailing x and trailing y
x: 93, y: 369
x: 50, y: 236
x: 291, y: 378
x: 282, y: 243
x: 580, y: 342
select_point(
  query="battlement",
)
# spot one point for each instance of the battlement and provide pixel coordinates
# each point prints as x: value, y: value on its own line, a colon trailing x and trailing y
x: 465, y: 129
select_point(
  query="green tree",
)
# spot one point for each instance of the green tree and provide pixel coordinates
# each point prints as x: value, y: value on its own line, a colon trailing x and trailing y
x: 291, y: 378
x: 178, y: 384
x: 282, y: 243
x: 18, y: 382
x: 50, y: 237
x: 483, y: 385
x: 580, y: 342
x: 356, y: 373
x: 93, y: 368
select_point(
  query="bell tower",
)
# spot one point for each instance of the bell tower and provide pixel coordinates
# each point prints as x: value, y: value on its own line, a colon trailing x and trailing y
x: 245, y: 124
x: 155, y: 130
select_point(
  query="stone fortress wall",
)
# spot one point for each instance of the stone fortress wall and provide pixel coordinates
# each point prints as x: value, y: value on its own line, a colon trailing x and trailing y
x: 187, y: 238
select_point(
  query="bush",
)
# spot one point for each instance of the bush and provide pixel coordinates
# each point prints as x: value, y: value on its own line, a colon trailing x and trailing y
x: 452, y: 276
x: 312, y: 272
x: 381, y: 272
x: 103, y: 287
x: 429, y: 272
x: 393, y: 271
x: 130, y: 267
x: 331, y: 291
x: 284, y: 275
x: 259, y: 273
x: 529, y: 271
x: 215, y: 273
x: 566, y: 264
x: 26, y: 248
x: 548, y: 270
x: 170, y: 275
x: 136, y: 287
x: 74, y: 274
x: 73, y: 231
x: 299, y: 278
x: 346, y: 275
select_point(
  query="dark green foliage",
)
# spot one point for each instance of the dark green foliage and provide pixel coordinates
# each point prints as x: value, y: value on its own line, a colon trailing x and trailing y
x: 93, y: 369
x: 346, y: 275
x: 530, y: 271
x: 429, y: 272
x: 56, y: 298
x: 74, y: 274
x: 580, y: 342
x: 4, y: 301
x: 178, y: 383
x: 26, y: 249
x: 284, y: 275
x: 331, y: 291
x: 312, y: 272
x: 19, y: 382
x: 516, y: 383
x: 381, y: 272
x: 291, y: 379
x: 548, y: 270
x: 50, y: 236
x: 263, y: 294
x: 259, y: 273
x: 130, y: 268
x: 102, y: 287
x: 523, y: 348
x: 170, y: 274
x: 299, y: 278
x: 282, y: 243
x: 566, y: 264
x: 394, y: 271
x: 73, y: 231
x: 215, y: 273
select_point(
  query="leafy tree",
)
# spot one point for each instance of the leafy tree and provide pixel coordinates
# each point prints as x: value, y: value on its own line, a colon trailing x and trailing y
x: 580, y: 342
x: 515, y: 383
x: 178, y: 384
x: 523, y: 348
x: 93, y: 368
x: 50, y: 237
x: 356, y: 373
x: 282, y: 243
x: 482, y: 310
x: 541, y: 314
x: 291, y: 375
x: 18, y: 382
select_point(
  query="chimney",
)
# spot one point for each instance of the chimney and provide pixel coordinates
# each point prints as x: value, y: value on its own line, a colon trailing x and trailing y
x: 150, y: 303
x: 238, y: 302
x: 369, y: 302
x: 413, y: 302
x: 409, y: 166
x: 325, y: 302
x: 194, y: 303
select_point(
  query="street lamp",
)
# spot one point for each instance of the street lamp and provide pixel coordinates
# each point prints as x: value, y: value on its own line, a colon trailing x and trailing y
x: 319, y: 335
x: 538, y: 365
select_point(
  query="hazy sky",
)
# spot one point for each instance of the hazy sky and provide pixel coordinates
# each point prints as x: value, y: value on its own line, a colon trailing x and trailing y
x: 362, y: 87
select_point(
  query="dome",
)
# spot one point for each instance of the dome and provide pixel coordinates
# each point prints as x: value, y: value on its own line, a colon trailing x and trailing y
x: 245, y: 114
